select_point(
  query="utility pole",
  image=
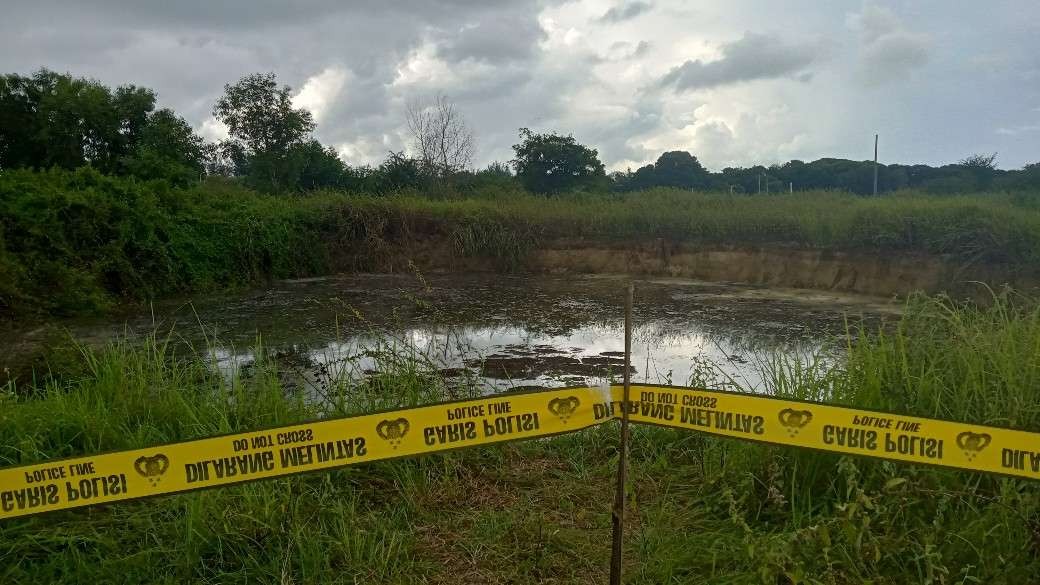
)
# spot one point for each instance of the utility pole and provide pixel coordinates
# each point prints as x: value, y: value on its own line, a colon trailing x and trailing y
x: 760, y: 183
x: 767, y: 184
x: 790, y: 187
x: 875, y: 165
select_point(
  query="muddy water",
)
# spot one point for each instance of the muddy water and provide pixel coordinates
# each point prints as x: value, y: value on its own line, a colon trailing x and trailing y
x: 506, y: 331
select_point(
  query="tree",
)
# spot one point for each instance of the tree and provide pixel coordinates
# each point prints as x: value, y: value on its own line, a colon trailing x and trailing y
x: 167, y: 148
x: 266, y: 127
x: 399, y: 172
x: 643, y: 178
x: 442, y: 141
x: 982, y: 167
x: 53, y: 119
x: 681, y: 169
x: 980, y: 161
x: 319, y: 166
x: 20, y: 123
x: 551, y: 163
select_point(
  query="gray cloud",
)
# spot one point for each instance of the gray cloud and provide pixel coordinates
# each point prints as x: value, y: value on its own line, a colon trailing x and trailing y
x: 625, y: 11
x: 889, y: 51
x: 495, y: 39
x: 624, y: 50
x: 641, y: 49
x: 753, y: 56
x: 564, y: 65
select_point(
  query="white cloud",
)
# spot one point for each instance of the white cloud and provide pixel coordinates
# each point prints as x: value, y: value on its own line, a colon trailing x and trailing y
x: 213, y: 130
x: 320, y: 90
x: 1016, y: 130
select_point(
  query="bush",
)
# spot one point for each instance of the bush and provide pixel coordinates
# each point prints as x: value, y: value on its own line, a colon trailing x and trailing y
x: 75, y: 242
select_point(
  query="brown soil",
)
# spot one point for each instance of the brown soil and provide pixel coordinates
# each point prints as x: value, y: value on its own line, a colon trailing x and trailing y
x: 775, y: 266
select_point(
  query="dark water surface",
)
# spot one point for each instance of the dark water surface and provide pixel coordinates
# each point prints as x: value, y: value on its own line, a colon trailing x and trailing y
x: 505, y: 331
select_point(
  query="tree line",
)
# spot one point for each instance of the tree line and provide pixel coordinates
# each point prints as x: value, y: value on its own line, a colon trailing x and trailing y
x: 50, y: 119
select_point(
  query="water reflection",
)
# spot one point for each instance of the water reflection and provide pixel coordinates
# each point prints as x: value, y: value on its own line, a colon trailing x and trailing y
x: 505, y: 332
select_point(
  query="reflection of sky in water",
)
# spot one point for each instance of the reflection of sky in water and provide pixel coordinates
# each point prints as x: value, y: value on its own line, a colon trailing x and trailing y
x: 660, y: 353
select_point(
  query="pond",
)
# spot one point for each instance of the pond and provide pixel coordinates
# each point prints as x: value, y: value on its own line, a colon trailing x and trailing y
x: 506, y: 331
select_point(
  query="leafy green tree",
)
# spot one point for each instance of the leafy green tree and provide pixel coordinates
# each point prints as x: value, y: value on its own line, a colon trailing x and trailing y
x: 20, y: 145
x: 52, y: 119
x: 551, y: 163
x: 675, y: 168
x: 644, y: 178
x: 266, y: 127
x: 132, y: 108
x: 167, y: 148
x: 400, y: 172
x: 319, y: 167
x: 679, y: 168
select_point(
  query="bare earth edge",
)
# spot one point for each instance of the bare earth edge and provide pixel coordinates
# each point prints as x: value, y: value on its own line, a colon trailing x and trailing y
x: 867, y: 273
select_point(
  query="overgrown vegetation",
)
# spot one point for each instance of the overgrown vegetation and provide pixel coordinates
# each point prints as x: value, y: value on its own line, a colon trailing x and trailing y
x: 74, y: 242
x: 704, y: 510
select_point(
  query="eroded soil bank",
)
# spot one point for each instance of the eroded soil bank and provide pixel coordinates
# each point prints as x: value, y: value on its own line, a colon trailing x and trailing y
x: 890, y: 274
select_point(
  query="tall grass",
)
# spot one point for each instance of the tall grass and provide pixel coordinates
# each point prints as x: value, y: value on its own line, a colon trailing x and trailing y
x: 867, y: 520
x: 705, y: 509
x: 79, y: 242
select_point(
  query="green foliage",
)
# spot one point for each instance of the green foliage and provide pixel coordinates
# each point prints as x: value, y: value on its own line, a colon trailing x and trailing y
x: 551, y: 163
x: 399, y: 172
x: 75, y: 242
x: 266, y: 129
x: 320, y: 168
x: 51, y: 119
x: 167, y: 149
x: 976, y: 173
x: 676, y: 168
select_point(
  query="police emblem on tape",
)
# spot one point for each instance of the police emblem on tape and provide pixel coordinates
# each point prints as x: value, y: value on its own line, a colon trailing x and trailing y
x: 793, y: 420
x: 392, y: 431
x: 564, y: 407
x: 973, y: 443
x: 152, y: 468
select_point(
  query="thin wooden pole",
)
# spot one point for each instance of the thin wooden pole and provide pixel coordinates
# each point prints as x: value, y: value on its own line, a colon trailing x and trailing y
x: 619, y: 495
x: 875, y: 165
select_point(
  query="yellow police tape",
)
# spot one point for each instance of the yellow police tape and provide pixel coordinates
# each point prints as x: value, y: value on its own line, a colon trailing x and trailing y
x: 331, y: 443
x: 217, y: 461
x: 838, y: 429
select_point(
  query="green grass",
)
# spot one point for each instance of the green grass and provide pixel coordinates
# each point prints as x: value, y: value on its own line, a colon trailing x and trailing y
x: 702, y: 509
x: 80, y: 242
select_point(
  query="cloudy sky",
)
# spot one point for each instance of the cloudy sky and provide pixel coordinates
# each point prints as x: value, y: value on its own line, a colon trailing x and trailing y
x: 735, y: 82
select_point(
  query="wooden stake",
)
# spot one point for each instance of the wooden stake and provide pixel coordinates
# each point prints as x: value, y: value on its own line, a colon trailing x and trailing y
x: 619, y: 495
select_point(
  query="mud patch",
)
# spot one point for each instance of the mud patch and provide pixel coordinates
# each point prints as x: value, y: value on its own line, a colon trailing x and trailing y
x: 526, y: 367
